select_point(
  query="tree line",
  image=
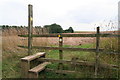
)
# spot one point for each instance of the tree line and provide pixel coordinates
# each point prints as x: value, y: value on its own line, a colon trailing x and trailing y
x: 53, y: 28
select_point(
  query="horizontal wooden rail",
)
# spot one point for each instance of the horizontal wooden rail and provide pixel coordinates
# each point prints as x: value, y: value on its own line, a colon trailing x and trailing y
x: 63, y: 48
x: 72, y: 35
x: 83, y: 63
x: 62, y: 71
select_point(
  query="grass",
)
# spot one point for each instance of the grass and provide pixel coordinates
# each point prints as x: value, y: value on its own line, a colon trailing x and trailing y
x: 11, y: 54
x: 11, y: 63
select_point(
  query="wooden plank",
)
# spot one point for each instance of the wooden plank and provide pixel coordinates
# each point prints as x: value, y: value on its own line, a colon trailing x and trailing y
x: 39, y: 68
x: 32, y: 57
x: 30, y: 25
x: 63, y: 48
x: 34, y: 72
x: 82, y: 63
x: 72, y: 35
x: 62, y: 71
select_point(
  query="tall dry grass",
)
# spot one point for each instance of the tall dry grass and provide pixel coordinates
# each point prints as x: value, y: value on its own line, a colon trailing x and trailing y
x: 109, y: 44
x: 10, y: 38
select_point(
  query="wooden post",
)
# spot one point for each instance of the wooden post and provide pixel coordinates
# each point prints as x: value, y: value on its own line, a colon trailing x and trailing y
x: 25, y: 66
x: 73, y: 63
x: 118, y: 40
x: 97, y: 52
x: 60, y: 51
x: 60, y: 45
x: 119, y: 62
x: 30, y: 25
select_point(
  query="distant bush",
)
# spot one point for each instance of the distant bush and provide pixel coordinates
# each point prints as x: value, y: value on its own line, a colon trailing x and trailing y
x: 70, y: 30
x: 55, y: 28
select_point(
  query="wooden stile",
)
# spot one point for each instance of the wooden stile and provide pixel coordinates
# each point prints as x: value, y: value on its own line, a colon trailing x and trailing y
x: 25, y: 63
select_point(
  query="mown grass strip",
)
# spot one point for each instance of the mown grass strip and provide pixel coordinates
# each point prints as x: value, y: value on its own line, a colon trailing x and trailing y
x: 63, y: 48
x: 72, y: 35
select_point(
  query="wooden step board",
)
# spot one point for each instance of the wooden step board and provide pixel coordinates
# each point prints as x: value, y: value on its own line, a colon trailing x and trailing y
x: 33, y: 73
x: 32, y: 57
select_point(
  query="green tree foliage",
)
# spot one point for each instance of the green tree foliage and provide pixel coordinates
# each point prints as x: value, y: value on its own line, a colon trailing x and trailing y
x: 54, y: 28
x: 70, y: 30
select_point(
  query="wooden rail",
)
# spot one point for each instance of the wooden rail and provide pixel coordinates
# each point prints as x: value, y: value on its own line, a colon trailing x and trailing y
x: 72, y: 35
x: 63, y: 48
x: 82, y: 63
x: 62, y: 71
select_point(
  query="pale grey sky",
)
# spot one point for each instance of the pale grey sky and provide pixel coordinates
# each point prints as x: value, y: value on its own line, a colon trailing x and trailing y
x: 80, y: 14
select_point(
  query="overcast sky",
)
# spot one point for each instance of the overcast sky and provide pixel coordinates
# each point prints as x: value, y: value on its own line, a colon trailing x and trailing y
x: 82, y: 15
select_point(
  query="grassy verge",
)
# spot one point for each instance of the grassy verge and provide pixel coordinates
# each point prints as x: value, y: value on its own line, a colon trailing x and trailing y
x: 11, y: 64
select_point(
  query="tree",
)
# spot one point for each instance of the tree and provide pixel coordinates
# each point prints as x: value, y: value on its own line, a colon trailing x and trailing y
x: 54, y: 28
x: 70, y: 30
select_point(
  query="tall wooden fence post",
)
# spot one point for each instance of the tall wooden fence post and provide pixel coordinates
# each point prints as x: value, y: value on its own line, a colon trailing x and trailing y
x: 119, y: 61
x: 97, y: 52
x: 118, y: 40
x: 119, y: 55
x: 60, y: 51
x: 30, y: 25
